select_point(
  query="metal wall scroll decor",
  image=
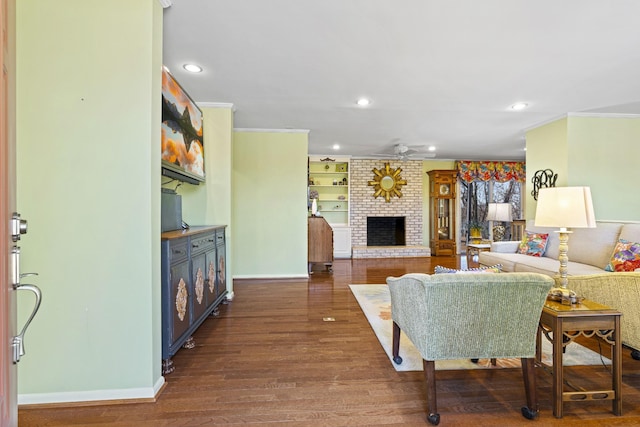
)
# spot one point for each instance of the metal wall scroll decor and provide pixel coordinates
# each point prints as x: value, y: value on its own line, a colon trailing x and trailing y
x: 542, y: 178
x: 386, y: 182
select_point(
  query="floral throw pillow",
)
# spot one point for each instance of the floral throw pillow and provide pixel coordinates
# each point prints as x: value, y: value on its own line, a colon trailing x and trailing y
x: 533, y: 244
x: 625, y: 257
x: 493, y: 269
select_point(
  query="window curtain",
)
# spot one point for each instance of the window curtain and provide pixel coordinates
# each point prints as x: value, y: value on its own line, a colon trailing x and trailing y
x: 470, y: 171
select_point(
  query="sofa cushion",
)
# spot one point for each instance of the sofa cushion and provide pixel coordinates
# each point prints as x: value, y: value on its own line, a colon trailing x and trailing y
x: 551, y: 267
x: 507, y: 260
x: 533, y: 244
x: 625, y: 257
x: 553, y: 240
x: 594, y: 246
x: 630, y: 232
x: 492, y: 269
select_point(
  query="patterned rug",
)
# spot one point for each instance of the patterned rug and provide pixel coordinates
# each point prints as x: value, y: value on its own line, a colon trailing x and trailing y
x: 375, y: 303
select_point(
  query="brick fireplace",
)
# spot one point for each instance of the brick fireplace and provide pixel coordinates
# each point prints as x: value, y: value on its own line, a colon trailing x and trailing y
x: 409, y: 206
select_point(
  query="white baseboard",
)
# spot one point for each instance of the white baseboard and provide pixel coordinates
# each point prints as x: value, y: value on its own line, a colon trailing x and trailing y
x: 92, y: 395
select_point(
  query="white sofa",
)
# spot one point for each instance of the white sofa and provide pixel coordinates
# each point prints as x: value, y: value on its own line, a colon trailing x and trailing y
x: 590, y: 250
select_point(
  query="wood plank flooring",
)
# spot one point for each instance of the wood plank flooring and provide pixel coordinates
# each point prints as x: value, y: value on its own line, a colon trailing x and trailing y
x: 271, y: 359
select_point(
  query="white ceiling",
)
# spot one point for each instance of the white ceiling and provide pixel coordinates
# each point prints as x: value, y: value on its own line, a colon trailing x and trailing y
x: 438, y: 72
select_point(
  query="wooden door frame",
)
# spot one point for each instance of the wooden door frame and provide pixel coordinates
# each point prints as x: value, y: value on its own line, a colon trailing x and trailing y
x: 8, y: 370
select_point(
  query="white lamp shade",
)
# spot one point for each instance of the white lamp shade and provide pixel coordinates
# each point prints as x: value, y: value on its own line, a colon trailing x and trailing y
x: 565, y: 207
x: 499, y: 212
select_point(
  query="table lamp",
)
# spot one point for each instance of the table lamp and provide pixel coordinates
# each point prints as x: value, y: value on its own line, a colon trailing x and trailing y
x: 499, y: 212
x: 564, y: 207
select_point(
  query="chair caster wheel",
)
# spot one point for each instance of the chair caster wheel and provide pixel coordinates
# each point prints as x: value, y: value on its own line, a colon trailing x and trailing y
x: 397, y: 360
x: 434, y: 419
x: 529, y: 414
x: 635, y: 354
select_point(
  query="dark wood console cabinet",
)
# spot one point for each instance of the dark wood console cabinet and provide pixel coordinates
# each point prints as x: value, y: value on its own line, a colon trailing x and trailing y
x: 193, y: 284
x: 320, y: 241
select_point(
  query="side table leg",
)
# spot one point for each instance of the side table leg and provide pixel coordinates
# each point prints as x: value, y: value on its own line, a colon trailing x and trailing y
x: 617, y: 368
x: 558, y: 389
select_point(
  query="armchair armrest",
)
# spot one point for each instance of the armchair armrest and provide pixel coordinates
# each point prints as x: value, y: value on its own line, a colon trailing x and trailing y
x: 509, y: 247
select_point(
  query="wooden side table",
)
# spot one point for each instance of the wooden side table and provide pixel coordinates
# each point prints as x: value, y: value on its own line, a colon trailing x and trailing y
x: 561, y: 324
x: 474, y: 249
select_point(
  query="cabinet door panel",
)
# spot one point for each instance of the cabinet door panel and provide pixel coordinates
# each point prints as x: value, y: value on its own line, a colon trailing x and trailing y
x: 210, y: 283
x: 221, y: 272
x: 180, y: 308
x: 199, y: 271
x: 221, y: 265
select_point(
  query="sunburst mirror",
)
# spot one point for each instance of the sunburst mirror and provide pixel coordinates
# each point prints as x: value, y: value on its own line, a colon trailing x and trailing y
x: 386, y: 182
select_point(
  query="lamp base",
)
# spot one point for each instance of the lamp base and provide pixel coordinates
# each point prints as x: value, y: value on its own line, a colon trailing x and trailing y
x: 498, y: 233
x: 564, y: 296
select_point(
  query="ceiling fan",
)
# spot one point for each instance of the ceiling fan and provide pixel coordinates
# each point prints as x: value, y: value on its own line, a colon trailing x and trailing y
x: 405, y: 152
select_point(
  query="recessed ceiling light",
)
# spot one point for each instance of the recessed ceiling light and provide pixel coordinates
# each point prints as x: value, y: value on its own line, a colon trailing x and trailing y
x: 336, y: 146
x: 192, y: 68
x: 363, y: 102
x: 519, y: 106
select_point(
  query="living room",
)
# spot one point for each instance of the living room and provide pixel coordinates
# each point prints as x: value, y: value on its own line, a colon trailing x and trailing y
x: 96, y: 246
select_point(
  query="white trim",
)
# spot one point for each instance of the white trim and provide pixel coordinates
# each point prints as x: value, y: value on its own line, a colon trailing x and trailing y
x: 92, y: 395
x: 592, y: 115
x: 165, y: 3
x: 271, y: 130
x: 271, y: 276
x: 545, y: 122
x: 217, y: 105
x: 606, y: 115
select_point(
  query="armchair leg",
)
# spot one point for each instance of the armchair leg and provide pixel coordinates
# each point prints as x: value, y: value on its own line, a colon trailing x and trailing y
x: 429, y: 367
x: 528, y: 373
x: 395, y: 348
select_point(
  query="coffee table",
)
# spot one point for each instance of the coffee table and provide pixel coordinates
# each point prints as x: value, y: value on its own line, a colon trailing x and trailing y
x: 561, y: 324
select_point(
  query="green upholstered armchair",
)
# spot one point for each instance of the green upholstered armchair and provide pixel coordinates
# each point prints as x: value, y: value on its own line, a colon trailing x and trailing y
x: 470, y: 316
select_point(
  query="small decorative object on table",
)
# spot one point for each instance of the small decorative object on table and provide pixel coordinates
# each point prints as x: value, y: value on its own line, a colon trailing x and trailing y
x: 475, y: 231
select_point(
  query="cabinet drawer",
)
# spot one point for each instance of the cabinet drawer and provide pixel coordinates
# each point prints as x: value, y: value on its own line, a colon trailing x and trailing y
x: 203, y: 243
x: 178, y: 250
x: 220, y: 237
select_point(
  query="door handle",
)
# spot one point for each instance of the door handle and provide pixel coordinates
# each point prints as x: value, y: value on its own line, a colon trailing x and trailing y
x: 18, y: 341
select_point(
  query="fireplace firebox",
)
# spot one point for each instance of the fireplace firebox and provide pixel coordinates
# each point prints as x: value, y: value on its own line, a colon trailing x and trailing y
x: 386, y: 231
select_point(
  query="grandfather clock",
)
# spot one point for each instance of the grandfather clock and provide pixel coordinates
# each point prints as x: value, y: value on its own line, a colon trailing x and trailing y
x: 442, y: 212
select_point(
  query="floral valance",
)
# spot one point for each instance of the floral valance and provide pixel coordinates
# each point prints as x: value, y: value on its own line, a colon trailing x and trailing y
x: 484, y: 171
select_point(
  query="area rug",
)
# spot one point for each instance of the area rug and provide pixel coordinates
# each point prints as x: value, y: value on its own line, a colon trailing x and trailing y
x: 376, y: 305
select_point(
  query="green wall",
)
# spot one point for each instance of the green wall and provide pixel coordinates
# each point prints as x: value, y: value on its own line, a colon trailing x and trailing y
x: 604, y: 153
x: 269, y: 204
x: 88, y: 179
x: 210, y: 202
x: 546, y: 149
x: 598, y: 151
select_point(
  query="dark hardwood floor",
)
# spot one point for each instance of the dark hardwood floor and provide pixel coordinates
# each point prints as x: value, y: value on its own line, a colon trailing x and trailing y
x: 270, y: 359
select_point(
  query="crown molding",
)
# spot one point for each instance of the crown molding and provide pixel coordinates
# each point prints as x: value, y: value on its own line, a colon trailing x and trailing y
x: 545, y: 122
x: 606, y: 115
x: 165, y: 3
x: 590, y: 115
x: 216, y: 105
